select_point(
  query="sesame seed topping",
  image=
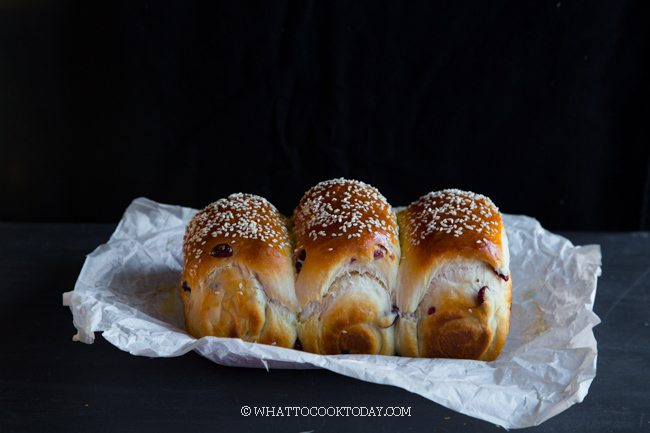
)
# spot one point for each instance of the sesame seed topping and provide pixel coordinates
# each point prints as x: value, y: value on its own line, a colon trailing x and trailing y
x: 239, y: 215
x: 341, y: 207
x: 451, y: 212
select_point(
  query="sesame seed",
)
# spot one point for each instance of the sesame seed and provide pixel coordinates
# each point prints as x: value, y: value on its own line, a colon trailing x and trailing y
x: 239, y: 215
x: 340, y: 206
x: 450, y: 212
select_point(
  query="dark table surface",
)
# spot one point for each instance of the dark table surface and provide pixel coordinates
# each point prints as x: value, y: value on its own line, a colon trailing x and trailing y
x: 50, y: 383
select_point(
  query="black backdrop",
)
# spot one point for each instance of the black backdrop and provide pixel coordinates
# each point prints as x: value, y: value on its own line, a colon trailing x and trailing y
x: 541, y: 105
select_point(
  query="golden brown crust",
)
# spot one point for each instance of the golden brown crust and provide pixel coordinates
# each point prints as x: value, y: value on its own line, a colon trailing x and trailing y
x: 238, y: 274
x: 354, y: 317
x: 453, y: 222
x: 347, y: 246
x: 454, y: 287
x: 336, y: 221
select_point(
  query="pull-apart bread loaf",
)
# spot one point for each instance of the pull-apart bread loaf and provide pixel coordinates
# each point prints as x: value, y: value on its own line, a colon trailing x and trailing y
x: 238, y: 273
x: 454, y: 286
x: 347, y: 254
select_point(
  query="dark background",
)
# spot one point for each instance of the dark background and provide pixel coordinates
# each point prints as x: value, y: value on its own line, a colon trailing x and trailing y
x: 541, y: 105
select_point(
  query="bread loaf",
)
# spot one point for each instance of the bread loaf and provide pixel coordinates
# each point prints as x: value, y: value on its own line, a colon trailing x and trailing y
x: 347, y: 275
x: 454, y: 287
x: 347, y: 255
x: 238, y: 272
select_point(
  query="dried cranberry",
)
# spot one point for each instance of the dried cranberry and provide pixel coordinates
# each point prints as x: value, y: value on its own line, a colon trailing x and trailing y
x: 300, y: 260
x: 481, y: 295
x: 297, y: 345
x: 432, y: 310
x: 394, y: 311
x: 221, y: 250
x: 379, y: 252
x: 186, y: 287
x: 505, y: 277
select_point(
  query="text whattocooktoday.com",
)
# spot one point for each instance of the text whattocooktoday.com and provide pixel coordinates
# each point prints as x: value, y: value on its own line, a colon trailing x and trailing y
x: 325, y: 411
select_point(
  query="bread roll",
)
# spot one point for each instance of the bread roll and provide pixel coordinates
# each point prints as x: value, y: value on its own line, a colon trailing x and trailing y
x: 347, y: 254
x: 454, y: 287
x: 238, y: 272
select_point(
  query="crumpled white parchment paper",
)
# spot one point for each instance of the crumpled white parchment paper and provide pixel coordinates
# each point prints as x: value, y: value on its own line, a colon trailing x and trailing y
x: 129, y: 289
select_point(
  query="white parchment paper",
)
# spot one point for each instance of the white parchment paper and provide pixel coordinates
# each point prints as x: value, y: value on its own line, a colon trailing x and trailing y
x: 129, y: 289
